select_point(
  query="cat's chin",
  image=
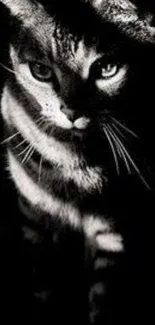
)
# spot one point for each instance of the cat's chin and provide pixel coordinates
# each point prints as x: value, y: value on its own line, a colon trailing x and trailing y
x: 77, y: 133
x: 74, y: 136
x: 79, y: 128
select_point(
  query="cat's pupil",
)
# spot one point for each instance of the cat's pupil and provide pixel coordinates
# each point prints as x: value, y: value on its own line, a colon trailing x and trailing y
x: 109, y: 70
x: 40, y: 71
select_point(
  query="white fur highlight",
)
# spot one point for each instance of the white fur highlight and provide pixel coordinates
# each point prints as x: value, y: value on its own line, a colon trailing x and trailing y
x: 99, y: 231
x: 81, y: 123
x: 43, y: 92
x: 38, y: 197
x: 48, y: 147
x: 93, y: 224
x: 4, y: 106
x: 111, y: 242
x: 88, y: 179
x: 51, y: 149
x: 19, y: 7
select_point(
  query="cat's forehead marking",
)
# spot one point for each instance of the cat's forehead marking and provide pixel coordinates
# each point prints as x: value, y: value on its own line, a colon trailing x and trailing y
x: 120, y: 15
x: 34, y: 14
x: 43, y: 45
x: 82, y: 58
x: 122, y: 4
x: 79, y: 59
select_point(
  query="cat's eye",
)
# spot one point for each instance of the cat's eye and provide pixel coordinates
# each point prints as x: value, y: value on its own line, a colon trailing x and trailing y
x: 110, y: 75
x: 40, y: 71
x: 109, y: 70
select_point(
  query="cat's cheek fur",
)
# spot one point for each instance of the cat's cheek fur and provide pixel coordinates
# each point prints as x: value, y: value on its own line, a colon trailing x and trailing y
x: 67, y: 160
x: 38, y: 197
x: 112, y: 86
x: 49, y: 147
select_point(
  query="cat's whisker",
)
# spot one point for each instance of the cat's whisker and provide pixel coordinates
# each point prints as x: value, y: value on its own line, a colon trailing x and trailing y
x: 132, y: 163
x: 113, y: 149
x: 20, y: 144
x: 119, y: 131
x: 124, y: 127
x: 45, y: 127
x: 8, y: 69
x: 120, y: 150
x: 41, y: 124
x: 39, y: 119
x: 25, y: 150
x: 25, y: 140
x: 28, y: 155
x: 124, y: 158
x: 40, y: 169
x: 10, y: 138
x: 12, y: 71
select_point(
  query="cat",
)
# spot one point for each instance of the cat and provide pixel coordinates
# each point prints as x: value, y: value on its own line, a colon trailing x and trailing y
x: 67, y: 106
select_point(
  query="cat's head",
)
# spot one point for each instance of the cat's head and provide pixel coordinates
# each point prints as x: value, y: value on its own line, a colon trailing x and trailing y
x: 76, y: 66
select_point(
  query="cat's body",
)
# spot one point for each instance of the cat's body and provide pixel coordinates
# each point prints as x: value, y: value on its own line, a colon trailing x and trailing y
x: 64, y: 103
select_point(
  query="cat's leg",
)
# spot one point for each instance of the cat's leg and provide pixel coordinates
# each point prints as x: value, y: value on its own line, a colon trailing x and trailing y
x: 104, y: 251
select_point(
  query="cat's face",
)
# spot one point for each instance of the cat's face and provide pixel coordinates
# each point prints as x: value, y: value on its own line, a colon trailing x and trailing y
x: 74, y: 87
x: 72, y: 90
x: 77, y: 85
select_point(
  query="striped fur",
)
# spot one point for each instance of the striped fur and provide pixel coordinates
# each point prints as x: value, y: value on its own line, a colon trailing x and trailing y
x: 57, y: 132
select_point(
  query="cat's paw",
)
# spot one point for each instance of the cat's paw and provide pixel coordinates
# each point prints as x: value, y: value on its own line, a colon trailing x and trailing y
x: 101, y: 267
x: 101, y: 235
x: 104, y: 249
x: 96, y: 299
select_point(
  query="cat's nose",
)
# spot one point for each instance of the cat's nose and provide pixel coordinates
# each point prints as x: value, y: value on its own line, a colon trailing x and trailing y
x: 69, y: 113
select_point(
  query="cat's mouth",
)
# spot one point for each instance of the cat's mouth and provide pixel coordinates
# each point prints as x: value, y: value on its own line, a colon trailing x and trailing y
x: 74, y: 122
x: 79, y: 126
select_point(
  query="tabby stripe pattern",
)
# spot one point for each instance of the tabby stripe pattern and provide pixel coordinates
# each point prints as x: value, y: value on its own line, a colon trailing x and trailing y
x: 67, y: 165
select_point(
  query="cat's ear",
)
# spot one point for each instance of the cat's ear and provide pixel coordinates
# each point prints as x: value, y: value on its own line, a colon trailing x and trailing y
x: 19, y: 8
x: 134, y: 19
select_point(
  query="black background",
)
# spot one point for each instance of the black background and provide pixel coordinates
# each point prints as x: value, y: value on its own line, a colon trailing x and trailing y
x: 138, y: 305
